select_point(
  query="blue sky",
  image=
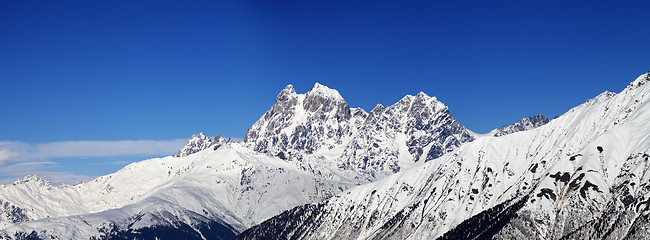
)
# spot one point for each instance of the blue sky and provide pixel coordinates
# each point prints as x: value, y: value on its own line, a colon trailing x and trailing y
x: 106, y: 73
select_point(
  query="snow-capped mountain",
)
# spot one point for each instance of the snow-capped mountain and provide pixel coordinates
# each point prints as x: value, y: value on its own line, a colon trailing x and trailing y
x: 376, y: 144
x: 305, y: 149
x: 583, y: 175
x: 523, y: 124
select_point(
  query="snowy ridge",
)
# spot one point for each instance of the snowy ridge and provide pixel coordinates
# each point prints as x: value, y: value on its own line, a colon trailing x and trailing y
x: 415, y: 129
x: 523, y: 124
x: 582, y: 175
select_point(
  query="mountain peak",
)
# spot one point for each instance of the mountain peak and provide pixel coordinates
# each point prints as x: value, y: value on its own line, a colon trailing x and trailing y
x: 195, y: 144
x: 324, y: 91
x: 199, y: 135
x: 289, y: 88
x: 420, y: 98
x: 34, y: 179
x: 422, y: 95
x: 301, y: 122
x: 286, y: 94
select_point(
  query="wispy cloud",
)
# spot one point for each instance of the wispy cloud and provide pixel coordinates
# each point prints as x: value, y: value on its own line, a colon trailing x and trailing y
x: 19, y: 151
x: 19, y: 158
x: 6, y: 155
x: 11, y: 172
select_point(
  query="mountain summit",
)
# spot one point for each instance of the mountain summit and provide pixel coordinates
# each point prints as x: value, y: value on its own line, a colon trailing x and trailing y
x: 301, y: 123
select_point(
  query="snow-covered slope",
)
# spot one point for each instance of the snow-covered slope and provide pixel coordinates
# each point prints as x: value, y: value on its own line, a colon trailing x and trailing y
x: 305, y: 149
x: 583, y: 175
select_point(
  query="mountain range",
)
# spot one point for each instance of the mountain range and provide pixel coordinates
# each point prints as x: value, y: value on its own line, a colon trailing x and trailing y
x: 312, y: 167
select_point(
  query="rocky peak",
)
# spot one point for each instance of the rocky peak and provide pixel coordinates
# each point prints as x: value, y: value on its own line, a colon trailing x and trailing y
x: 195, y: 144
x: 425, y: 96
x: 286, y: 94
x: 301, y: 123
x: 33, y: 180
x: 428, y: 122
x: 218, y: 141
x: 323, y: 100
x: 523, y: 124
x: 324, y: 92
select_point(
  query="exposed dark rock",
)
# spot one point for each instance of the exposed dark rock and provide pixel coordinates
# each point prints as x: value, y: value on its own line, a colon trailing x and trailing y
x: 548, y: 193
x: 562, y: 177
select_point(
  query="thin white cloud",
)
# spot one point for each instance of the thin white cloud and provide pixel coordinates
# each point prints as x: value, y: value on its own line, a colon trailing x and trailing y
x: 34, y: 163
x: 119, y: 162
x: 11, y: 172
x: 21, y: 152
x: 6, y: 155
x: 19, y: 159
x: 107, y: 148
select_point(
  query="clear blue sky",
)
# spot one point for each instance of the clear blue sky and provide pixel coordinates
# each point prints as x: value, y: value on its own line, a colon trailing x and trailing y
x: 163, y: 70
